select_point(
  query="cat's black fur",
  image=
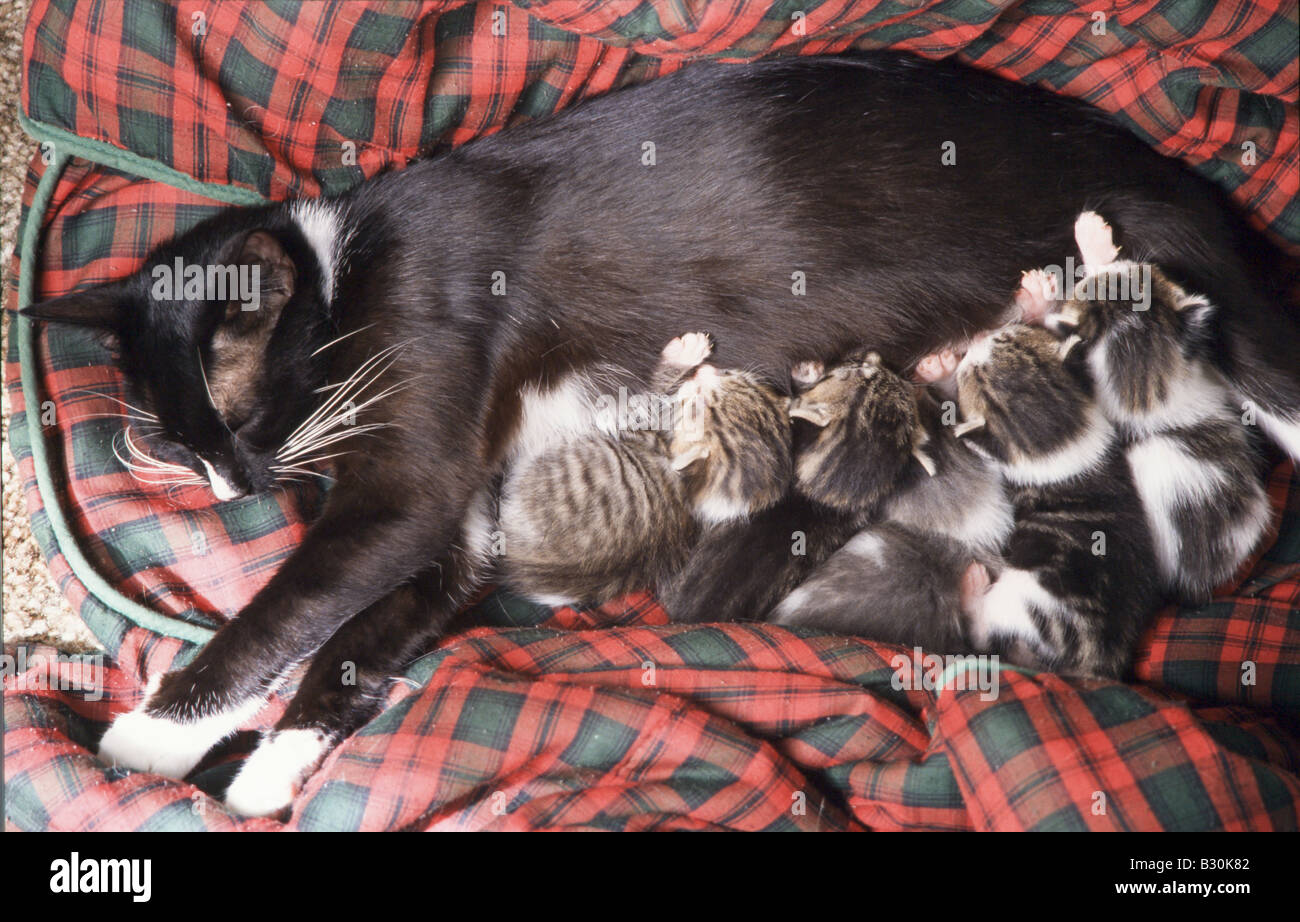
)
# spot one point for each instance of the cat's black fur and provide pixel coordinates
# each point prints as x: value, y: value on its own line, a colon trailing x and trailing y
x: 827, y: 167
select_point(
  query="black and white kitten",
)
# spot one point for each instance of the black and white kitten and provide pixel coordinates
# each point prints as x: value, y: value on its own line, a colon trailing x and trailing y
x: 1076, y: 585
x: 1190, y: 453
x: 587, y: 520
x: 791, y: 208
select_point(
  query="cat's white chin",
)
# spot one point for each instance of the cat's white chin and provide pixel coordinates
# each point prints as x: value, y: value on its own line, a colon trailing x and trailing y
x: 162, y: 746
x: 272, y: 776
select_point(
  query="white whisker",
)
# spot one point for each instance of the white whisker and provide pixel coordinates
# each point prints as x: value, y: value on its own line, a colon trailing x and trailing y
x: 341, y: 338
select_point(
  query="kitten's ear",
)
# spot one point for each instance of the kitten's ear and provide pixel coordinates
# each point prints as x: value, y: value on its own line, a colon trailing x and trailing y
x: 816, y: 413
x: 1067, y: 346
x: 1196, y: 314
x: 697, y: 452
x: 101, y: 307
x: 276, y: 282
x: 967, y: 426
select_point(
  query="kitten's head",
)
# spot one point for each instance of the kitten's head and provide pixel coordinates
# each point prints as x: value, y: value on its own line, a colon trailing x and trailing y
x: 1123, y: 297
x: 1026, y: 401
x: 867, y: 433
x: 731, y: 443
x: 193, y: 332
x: 1146, y: 334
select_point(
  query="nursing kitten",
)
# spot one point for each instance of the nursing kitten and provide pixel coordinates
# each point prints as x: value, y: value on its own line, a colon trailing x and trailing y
x: 591, y: 519
x: 935, y: 523
x: 1191, y: 456
x: 1076, y: 586
x: 389, y: 289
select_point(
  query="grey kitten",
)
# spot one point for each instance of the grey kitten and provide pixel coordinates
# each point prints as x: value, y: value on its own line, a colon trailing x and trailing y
x: 587, y: 520
x: 1076, y: 586
x: 935, y: 522
x: 1191, y: 456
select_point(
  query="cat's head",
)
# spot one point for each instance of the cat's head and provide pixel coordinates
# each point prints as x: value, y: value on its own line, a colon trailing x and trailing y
x: 214, y: 336
x: 1026, y: 401
x: 730, y: 443
x: 866, y: 432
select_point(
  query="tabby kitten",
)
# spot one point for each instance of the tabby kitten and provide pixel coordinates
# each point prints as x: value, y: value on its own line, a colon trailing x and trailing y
x: 588, y: 520
x: 1192, y: 458
x: 1076, y: 587
x: 901, y: 578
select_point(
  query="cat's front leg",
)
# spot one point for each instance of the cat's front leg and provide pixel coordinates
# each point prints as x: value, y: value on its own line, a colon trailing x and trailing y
x: 350, y: 677
x: 343, y: 688
x: 364, y: 546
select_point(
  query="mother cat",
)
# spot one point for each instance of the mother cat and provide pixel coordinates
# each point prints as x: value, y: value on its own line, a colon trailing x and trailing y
x: 790, y: 208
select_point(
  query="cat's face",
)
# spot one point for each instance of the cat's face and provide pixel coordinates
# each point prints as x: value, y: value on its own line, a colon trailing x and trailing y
x: 866, y: 433
x: 731, y: 443
x: 193, y: 332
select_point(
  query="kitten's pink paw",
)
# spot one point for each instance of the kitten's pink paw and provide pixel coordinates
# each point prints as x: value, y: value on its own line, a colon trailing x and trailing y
x: 1035, y: 296
x: 975, y: 584
x: 1095, y: 239
x: 688, y: 350
x: 806, y: 374
x: 936, y: 366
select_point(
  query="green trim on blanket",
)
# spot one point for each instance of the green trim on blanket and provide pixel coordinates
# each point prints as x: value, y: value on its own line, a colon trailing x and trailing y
x: 67, y: 145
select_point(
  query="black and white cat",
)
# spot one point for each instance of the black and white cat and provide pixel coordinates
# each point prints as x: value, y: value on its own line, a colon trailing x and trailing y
x: 793, y: 208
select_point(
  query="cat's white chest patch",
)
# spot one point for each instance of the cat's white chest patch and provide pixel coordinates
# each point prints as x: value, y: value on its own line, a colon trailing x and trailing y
x: 557, y: 415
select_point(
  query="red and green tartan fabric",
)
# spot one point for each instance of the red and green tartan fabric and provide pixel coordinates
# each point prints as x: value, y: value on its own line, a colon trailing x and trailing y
x: 611, y: 718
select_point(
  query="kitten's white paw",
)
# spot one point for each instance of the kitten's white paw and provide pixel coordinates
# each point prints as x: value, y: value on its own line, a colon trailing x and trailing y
x: 140, y: 741
x: 1095, y: 240
x: 1036, y: 294
x: 936, y: 366
x: 272, y: 776
x: 688, y: 350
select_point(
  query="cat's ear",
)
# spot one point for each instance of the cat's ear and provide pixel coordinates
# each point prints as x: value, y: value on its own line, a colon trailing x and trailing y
x: 698, y: 451
x: 101, y: 307
x: 819, y: 414
x: 276, y: 280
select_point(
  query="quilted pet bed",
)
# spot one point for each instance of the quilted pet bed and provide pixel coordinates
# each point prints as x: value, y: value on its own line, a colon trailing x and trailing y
x: 150, y: 116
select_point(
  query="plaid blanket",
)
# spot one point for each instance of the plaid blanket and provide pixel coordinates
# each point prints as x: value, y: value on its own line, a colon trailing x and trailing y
x: 151, y: 114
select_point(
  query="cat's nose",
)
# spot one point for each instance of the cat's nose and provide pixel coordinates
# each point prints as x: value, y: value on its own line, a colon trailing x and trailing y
x: 222, y: 488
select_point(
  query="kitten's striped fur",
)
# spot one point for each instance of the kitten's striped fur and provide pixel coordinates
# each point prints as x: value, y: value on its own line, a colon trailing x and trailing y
x: 900, y: 578
x: 595, y: 517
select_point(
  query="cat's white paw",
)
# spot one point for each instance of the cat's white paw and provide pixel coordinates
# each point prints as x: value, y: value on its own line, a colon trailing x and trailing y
x: 1095, y: 240
x: 688, y: 350
x: 163, y: 746
x: 272, y: 776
